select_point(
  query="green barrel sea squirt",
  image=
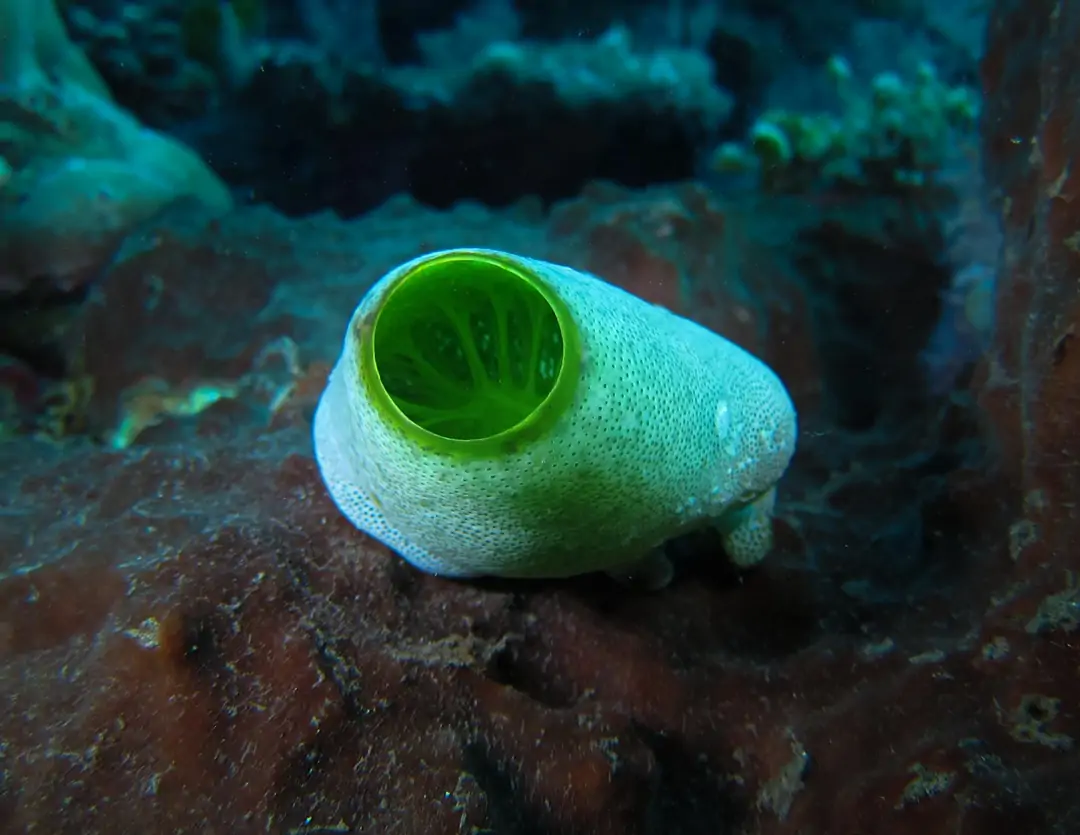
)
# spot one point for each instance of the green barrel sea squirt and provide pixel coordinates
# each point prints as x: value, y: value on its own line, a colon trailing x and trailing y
x: 497, y: 415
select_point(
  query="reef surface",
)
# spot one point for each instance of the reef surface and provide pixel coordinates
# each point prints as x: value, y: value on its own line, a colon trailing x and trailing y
x: 192, y: 639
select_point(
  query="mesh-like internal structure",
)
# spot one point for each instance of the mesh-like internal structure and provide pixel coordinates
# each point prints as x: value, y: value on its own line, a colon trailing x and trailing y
x: 467, y: 348
x: 662, y: 426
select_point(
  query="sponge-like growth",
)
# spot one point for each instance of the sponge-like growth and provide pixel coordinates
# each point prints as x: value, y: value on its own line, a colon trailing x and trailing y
x: 496, y: 415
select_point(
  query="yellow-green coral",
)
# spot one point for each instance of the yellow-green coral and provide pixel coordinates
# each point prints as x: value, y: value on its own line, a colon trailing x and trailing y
x: 896, y: 133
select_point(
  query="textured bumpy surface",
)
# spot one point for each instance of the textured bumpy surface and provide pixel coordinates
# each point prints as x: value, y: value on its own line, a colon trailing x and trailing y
x: 672, y: 427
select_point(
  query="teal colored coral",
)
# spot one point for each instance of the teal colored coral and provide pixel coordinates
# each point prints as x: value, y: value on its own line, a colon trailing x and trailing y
x: 492, y: 414
x: 79, y: 171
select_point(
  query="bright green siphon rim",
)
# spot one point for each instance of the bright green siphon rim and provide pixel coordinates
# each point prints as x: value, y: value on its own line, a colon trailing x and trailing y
x: 427, y: 287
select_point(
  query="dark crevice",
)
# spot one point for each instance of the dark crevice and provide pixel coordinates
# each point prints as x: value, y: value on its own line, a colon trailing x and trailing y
x: 689, y: 795
x: 518, y: 664
x: 34, y: 326
x: 877, y: 296
x: 198, y: 641
x: 331, y: 652
x: 507, y: 813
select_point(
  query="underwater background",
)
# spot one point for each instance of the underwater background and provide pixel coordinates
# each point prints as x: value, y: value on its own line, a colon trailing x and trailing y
x: 877, y: 198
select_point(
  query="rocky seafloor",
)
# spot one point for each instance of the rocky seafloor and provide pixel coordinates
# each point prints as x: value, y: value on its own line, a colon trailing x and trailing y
x: 192, y: 639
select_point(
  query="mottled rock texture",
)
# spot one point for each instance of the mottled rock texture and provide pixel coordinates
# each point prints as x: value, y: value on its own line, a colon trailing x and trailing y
x: 193, y: 640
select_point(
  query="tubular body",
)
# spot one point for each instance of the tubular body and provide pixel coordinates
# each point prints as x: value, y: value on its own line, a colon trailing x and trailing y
x: 492, y: 414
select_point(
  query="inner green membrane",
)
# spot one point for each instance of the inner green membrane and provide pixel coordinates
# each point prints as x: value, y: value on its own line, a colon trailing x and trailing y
x: 467, y: 347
